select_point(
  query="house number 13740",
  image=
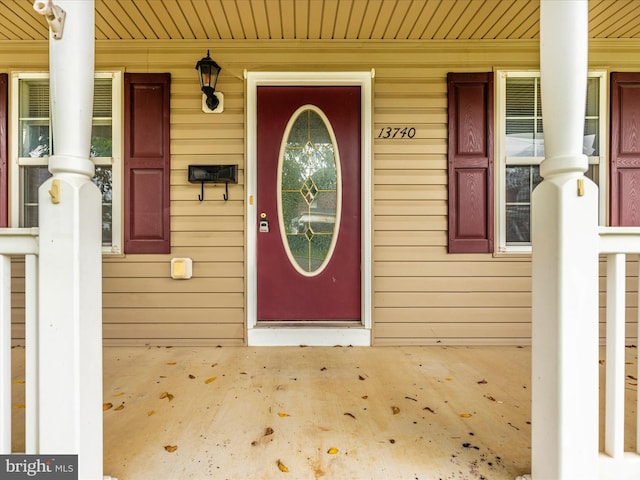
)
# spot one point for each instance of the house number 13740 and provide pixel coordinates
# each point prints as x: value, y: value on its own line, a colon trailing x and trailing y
x: 397, y: 132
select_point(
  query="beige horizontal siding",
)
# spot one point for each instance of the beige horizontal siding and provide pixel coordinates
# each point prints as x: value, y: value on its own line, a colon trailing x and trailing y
x: 452, y: 299
x: 173, y: 299
x: 444, y: 284
x: 204, y: 270
x: 218, y: 315
x: 461, y: 268
x: 198, y: 284
x: 410, y: 192
x: 447, y: 329
x: 421, y: 294
x: 446, y: 314
x: 182, y: 330
x: 176, y: 334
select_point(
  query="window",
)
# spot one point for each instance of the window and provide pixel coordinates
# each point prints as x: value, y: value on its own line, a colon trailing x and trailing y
x: 520, y: 150
x: 32, y: 144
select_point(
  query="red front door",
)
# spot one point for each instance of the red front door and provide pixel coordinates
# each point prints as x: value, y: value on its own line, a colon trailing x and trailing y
x: 308, y: 203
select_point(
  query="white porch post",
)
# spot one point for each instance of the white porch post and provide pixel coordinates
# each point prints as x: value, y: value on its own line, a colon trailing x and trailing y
x: 565, y: 259
x: 5, y: 354
x: 70, y: 282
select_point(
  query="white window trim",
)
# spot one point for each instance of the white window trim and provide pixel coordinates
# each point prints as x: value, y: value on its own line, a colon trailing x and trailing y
x: 115, y: 161
x: 500, y: 149
x: 117, y: 210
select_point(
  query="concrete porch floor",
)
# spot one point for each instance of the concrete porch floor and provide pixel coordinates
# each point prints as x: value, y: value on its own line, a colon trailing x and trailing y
x: 340, y: 413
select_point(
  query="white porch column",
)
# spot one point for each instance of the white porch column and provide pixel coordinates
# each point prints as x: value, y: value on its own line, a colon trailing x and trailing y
x: 565, y: 259
x: 5, y: 354
x: 70, y: 282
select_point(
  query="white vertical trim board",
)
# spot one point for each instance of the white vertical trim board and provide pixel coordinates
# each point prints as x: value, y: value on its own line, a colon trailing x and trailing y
x: 299, y: 335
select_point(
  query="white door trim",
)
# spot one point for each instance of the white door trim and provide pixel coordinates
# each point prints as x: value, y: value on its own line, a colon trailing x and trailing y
x: 305, y: 335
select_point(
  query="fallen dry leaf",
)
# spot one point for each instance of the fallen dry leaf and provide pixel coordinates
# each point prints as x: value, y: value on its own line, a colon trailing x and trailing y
x: 360, y: 377
x: 333, y: 451
x: 151, y: 412
x: 210, y: 379
x: 350, y: 415
x: 171, y: 363
x: 106, y: 406
x: 482, y: 382
x: 166, y: 395
x: 265, y: 438
x: 119, y: 407
x: 119, y: 394
x: 282, y: 467
x: 192, y: 376
x: 19, y: 382
x: 449, y: 379
x: 20, y: 406
x: 395, y: 410
x: 364, y: 397
x: 492, y: 398
x: 282, y: 414
x: 465, y: 415
x: 170, y: 448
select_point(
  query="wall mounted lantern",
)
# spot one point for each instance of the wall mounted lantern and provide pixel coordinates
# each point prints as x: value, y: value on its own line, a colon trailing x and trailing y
x: 209, y: 71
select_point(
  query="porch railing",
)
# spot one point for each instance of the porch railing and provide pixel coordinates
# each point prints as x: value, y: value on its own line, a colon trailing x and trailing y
x: 616, y: 243
x: 19, y: 242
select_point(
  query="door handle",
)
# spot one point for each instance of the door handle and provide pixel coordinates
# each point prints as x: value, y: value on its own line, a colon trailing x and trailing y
x: 264, y: 223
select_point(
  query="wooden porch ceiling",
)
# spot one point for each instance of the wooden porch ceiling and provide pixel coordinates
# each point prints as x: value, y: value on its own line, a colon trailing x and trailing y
x: 320, y: 19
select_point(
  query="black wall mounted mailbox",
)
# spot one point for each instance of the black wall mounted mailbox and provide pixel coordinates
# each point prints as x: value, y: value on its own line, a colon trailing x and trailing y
x: 213, y: 174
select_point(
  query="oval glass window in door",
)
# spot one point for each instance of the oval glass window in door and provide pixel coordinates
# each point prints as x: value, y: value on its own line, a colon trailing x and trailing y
x: 309, y: 183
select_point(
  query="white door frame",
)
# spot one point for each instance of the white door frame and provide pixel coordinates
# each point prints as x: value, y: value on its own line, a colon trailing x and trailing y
x: 308, y: 333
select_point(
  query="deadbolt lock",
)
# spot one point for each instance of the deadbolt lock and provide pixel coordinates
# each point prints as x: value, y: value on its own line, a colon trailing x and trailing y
x: 264, y: 223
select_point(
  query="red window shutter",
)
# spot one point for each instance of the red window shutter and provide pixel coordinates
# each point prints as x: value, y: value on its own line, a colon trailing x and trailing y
x: 470, y: 162
x: 146, y: 163
x: 625, y: 149
x: 4, y: 152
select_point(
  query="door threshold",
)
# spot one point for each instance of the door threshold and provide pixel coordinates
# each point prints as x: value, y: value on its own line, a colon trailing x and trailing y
x: 312, y: 334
